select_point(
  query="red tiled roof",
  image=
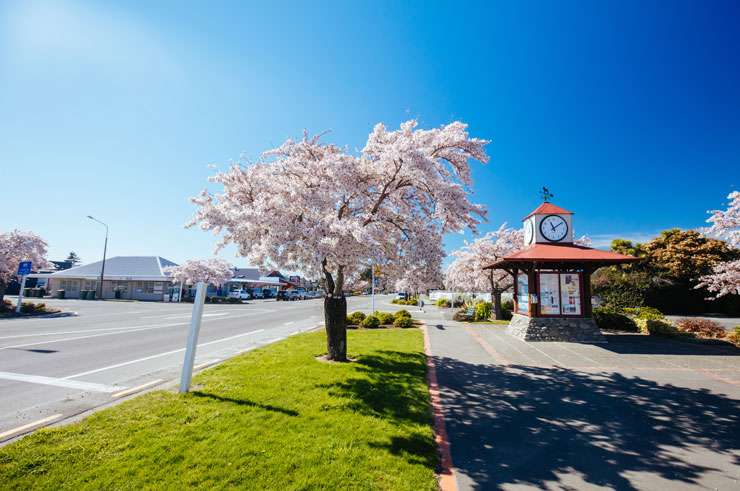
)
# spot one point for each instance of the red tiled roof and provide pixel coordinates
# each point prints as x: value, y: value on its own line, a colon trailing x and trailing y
x: 548, y: 209
x: 564, y: 253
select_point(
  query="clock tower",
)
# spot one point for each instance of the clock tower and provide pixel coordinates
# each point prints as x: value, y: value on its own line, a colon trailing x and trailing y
x: 552, y: 279
x: 548, y: 224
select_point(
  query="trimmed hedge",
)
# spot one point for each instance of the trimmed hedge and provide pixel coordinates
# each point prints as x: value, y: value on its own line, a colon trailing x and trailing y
x: 370, y: 322
x: 403, y: 313
x: 656, y: 327
x: 614, y: 321
x: 385, y: 318
x: 355, y: 318
x: 403, y: 322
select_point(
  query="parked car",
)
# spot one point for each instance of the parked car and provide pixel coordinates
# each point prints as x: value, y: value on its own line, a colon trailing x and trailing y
x: 240, y: 294
x: 282, y: 295
x: 257, y: 293
x: 268, y: 293
x: 402, y: 296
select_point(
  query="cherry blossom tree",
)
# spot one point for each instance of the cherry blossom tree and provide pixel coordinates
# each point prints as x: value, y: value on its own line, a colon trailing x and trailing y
x: 466, y: 272
x: 725, y: 224
x: 17, y: 246
x: 316, y: 208
x: 214, y: 271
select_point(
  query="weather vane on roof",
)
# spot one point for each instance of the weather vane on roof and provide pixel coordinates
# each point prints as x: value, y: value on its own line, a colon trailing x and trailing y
x: 546, y: 194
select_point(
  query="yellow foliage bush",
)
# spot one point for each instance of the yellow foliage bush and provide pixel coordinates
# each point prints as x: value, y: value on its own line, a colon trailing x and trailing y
x: 656, y: 327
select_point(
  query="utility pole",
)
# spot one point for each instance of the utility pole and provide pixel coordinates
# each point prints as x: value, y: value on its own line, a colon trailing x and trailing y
x: 195, y: 321
x: 105, y: 250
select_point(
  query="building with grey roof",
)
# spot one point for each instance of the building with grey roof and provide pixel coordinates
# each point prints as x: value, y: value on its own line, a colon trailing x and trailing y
x: 126, y: 277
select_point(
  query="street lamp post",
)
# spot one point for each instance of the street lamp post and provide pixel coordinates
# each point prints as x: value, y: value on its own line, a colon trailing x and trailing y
x: 105, y: 249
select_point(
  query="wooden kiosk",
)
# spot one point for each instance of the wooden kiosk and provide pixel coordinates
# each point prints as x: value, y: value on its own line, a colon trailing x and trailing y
x: 552, y: 287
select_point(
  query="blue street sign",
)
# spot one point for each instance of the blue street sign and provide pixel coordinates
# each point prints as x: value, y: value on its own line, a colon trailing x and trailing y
x: 24, y: 268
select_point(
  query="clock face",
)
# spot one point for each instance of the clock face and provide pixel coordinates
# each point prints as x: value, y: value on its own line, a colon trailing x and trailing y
x: 553, y: 228
x: 528, y: 232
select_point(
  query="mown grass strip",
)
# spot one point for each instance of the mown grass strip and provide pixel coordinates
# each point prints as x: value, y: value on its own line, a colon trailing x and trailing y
x: 274, y: 418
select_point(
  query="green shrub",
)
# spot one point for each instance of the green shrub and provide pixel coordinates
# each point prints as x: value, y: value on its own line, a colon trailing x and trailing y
x: 734, y: 337
x: 507, y: 305
x: 355, y: 318
x: 462, y: 315
x: 613, y: 321
x: 370, y: 322
x: 656, y: 327
x: 403, y: 322
x: 482, y: 311
x: 403, y: 313
x: 649, y: 313
x: 705, y: 328
x: 385, y: 318
x: 36, y: 308
x: 442, y: 302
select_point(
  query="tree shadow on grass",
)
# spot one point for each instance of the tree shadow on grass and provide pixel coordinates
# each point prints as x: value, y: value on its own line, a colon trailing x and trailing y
x: 532, y: 425
x: 389, y: 387
x: 245, y: 402
x: 392, y: 387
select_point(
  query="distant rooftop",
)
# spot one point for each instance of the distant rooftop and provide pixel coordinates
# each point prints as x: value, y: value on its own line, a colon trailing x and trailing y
x: 121, y: 267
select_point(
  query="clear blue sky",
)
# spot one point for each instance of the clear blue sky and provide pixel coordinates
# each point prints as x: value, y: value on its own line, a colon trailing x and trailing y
x: 628, y: 111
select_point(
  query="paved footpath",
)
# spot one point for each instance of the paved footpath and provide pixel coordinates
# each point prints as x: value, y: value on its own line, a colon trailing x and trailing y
x: 636, y: 413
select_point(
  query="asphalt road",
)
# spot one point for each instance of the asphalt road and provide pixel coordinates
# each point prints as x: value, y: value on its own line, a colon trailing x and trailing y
x: 55, y: 368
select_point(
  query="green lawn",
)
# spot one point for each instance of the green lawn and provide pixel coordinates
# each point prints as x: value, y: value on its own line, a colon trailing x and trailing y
x: 274, y: 418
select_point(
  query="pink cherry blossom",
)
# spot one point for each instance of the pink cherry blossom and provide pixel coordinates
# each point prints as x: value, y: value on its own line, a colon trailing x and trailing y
x: 313, y: 207
x: 17, y: 246
x: 214, y: 271
x: 725, y: 277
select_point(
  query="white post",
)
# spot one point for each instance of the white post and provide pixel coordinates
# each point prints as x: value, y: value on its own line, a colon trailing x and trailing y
x: 179, y: 297
x: 187, y: 367
x: 372, y: 287
x: 20, y: 295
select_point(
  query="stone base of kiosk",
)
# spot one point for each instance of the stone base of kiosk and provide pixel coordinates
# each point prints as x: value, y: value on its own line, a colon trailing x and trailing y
x: 573, y: 330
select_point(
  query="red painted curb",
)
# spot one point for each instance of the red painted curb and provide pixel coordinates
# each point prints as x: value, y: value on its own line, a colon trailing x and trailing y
x: 446, y: 476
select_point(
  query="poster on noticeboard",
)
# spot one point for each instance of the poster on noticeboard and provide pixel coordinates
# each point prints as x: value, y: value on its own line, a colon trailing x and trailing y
x: 570, y: 293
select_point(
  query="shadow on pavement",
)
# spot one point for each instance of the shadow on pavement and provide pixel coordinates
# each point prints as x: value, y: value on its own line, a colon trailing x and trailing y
x: 648, y: 345
x: 529, y: 425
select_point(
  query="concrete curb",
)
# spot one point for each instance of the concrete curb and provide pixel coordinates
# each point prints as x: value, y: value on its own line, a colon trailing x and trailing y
x: 446, y: 475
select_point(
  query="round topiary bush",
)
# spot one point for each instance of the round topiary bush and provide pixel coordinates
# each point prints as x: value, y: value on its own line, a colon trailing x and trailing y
x: 370, y: 322
x: 385, y: 318
x: 355, y: 318
x: 403, y: 322
x: 403, y: 313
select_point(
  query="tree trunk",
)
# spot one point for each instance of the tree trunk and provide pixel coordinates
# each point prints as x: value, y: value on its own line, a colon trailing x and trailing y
x: 497, y: 310
x: 335, y: 322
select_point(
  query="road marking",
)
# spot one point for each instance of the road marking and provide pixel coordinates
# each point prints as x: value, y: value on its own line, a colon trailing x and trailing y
x: 132, y: 329
x: 59, y: 382
x: 21, y: 429
x: 289, y: 323
x: 89, y: 330
x: 135, y: 389
x: 146, y: 358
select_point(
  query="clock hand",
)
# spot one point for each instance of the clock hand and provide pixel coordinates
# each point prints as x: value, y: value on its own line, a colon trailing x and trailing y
x: 556, y: 226
x: 553, y: 228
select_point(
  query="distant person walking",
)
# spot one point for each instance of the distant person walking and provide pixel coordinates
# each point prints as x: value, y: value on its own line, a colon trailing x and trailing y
x: 421, y: 304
